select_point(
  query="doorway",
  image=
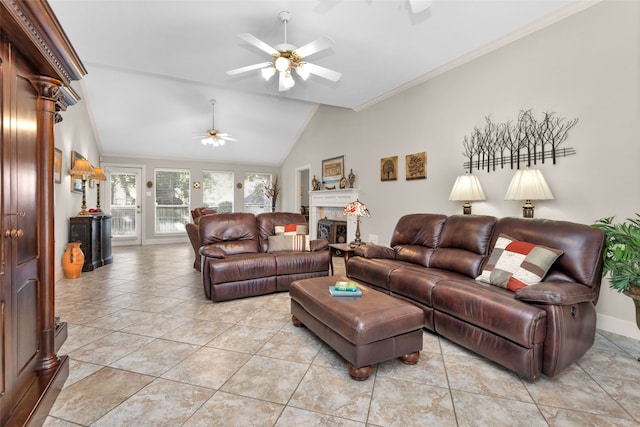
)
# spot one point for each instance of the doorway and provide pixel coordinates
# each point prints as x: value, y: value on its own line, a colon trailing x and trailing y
x: 124, y: 202
x: 302, y: 190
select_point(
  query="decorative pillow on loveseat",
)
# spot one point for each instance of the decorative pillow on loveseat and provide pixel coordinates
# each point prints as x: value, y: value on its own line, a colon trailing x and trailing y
x: 291, y: 229
x: 289, y: 242
x: 514, y: 264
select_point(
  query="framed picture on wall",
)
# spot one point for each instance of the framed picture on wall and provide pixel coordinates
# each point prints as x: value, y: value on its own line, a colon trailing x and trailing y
x: 332, y: 169
x: 57, y: 165
x: 416, y: 165
x: 389, y: 168
x: 76, y: 182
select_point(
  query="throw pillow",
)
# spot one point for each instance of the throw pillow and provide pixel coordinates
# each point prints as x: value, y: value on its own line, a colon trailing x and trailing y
x: 514, y: 264
x: 286, y: 242
x: 291, y: 229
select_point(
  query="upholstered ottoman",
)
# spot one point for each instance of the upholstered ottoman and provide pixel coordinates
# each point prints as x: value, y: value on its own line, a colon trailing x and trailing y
x: 363, y: 330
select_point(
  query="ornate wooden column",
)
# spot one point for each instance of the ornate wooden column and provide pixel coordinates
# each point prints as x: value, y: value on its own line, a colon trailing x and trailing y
x: 49, y: 98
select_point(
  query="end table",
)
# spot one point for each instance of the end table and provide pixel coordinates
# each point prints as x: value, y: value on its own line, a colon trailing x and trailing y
x: 343, y: 250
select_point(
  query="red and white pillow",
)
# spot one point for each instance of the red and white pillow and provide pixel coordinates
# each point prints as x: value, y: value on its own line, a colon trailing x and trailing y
x: 290, y: 237
x: 514, y: 264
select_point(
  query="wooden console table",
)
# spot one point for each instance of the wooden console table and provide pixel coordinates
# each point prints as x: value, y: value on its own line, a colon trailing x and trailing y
x: 94, y: 234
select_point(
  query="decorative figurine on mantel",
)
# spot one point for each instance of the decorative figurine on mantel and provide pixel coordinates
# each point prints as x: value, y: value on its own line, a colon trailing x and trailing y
x: 343, y: 183
x: 352, y: 179
x: 315, y: 183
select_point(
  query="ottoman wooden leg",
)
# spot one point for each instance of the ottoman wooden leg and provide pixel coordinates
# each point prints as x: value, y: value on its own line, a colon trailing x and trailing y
x: 411, y: 358
x: 296, y: 322
x: 359, y: 374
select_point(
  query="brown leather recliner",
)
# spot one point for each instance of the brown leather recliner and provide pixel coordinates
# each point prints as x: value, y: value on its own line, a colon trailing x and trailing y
x: 192, y: 232
x: 236, y: 262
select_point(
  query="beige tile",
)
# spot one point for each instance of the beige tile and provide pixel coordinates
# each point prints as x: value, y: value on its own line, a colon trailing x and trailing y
x: 295, y: 417
x: 576, y: 390
x: 225, y: 409
x: 480, y: 410
x: 155, y: 358
x: 429, y: 370
x: 207, y: 367
x: 92, y: 397
x: 332, y: 391
x: 405, y: 403
x: 120, y: 319
x: 156, y: 304
x: 299, y: 347
x: 267, y: 319
x: 243, y: 338
x: 79, y: 370
x: 197, y: 331
x: 79, y: 336
x: 161, y: 403
x: 477, y: 375
x: 264, y: 378
x: 626, y: 391
x: 157, y: 325
x: 557, y: 417
x: 110, y: 348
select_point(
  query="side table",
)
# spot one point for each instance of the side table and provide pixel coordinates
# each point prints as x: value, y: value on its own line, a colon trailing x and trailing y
x: 343, y: 250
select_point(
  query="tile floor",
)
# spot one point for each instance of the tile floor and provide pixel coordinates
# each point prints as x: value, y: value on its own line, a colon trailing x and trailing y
x: 147, y: 349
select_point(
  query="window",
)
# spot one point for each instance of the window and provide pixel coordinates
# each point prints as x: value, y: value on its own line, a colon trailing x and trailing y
x: 217, y: 190
x: 255, y: 200
x: 172, y: 200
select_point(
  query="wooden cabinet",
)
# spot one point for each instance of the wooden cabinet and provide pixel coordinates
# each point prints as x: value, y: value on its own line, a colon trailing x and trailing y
x: 36, y: 62
x: 94, y: 234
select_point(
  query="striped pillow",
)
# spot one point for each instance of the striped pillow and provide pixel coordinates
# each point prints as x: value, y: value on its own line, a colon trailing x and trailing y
x: 514, y: 264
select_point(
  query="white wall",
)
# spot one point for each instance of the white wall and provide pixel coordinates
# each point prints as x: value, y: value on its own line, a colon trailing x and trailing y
x: 585, y: 66
x: 73, y: 133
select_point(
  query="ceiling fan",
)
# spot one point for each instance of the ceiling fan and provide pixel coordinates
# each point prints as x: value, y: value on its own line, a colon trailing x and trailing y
x: 418, y: 6
x: 286, y: 58
x: 213, y: 137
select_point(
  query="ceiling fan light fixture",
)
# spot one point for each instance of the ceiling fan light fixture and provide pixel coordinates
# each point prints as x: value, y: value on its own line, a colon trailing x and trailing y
x: 282, y: 64
x: 302, y: 71
x: 268, y: 72
x: 288, y: 82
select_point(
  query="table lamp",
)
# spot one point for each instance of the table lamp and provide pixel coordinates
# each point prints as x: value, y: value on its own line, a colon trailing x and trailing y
x: 83, y: 169
x: 357, y: 209
x: 98, y: 175
x: 467, y: 188
x: 528, y: 184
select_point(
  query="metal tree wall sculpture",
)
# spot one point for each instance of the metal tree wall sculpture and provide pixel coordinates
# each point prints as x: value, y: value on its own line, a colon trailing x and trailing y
x: 526, y: 140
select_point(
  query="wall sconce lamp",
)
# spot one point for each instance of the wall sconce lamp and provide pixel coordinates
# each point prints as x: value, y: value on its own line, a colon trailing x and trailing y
x: 467, y: 188
x: 357, y: 209
x: 83, y: 169
x: 98, y: 175
x: 528, y: 184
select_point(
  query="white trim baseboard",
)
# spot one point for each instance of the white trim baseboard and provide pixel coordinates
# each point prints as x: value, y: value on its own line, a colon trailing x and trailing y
x: 618, y: 326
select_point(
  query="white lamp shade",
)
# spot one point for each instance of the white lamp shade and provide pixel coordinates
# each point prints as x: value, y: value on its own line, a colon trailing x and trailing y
x: 528, y: 184
x: 467, y: 188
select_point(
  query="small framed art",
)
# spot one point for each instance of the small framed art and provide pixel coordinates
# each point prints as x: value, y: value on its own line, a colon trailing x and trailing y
x: 389, y: 168
x: 332, y: 169
x: 416, y: 165
x: 57, y: 165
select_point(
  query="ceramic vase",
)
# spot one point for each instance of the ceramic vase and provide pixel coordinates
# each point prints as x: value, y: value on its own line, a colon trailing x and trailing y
x: 72, y: 261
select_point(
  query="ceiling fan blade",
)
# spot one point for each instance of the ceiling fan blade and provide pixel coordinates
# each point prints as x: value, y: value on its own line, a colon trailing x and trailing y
x: 229, y: 138
x: 326, y: 73
x: 317, y: 45
x: 418, y: 6
x: 258, y: 43
x: 248, y: 68
x: 281, y: 85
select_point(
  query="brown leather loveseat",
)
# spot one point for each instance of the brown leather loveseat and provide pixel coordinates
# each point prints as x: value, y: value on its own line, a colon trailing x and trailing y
x: 541, y: 328
x: 240, y: 257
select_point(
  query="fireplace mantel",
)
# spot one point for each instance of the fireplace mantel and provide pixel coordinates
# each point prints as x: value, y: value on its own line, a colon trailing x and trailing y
x: 330, y: 204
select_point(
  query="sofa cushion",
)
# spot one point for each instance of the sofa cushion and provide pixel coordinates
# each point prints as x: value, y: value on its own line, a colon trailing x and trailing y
x: 291, y: 229
x: 514, y: 264
x: 288, y: 242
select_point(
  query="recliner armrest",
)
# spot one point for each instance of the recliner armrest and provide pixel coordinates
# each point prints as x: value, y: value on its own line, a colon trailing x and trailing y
x: 556, y: 292
x: 212, y: 252
x: 318, y: 244
x: 371, y: 250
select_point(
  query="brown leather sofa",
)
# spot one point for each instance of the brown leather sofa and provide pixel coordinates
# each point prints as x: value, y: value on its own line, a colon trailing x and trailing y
x: 192, y: 232
x: 236, y: 261
x: 540, y: 329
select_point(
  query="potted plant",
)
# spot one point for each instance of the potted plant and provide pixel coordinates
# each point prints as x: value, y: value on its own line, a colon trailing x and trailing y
x: 622, y: 257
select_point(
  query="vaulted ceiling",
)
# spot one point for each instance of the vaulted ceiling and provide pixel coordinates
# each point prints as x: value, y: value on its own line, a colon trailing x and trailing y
x: 154, y: 65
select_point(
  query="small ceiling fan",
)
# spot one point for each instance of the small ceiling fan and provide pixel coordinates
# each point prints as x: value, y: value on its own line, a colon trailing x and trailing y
x: 286, y: 58
x: 214, y: 137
